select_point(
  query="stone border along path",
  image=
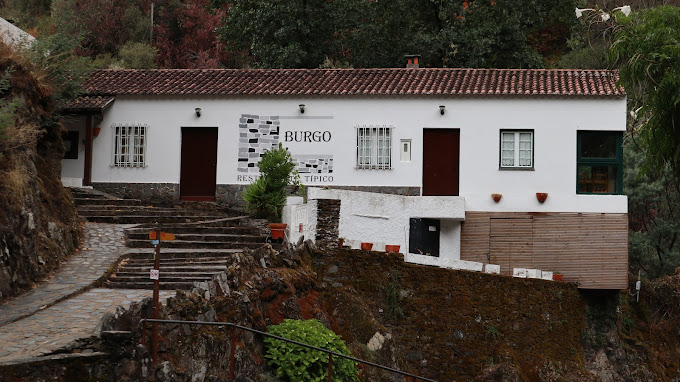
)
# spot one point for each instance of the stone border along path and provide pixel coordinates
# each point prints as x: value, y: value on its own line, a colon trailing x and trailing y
x: 54, y: 313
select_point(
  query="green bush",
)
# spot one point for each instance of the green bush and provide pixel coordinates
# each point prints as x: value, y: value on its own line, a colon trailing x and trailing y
x: 266, y: 196
x: 300, y: 364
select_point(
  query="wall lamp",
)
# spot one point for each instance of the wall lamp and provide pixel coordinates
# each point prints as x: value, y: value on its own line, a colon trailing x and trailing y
x: 302, y: 108
x: 441, y: 109
x: 198, y: 111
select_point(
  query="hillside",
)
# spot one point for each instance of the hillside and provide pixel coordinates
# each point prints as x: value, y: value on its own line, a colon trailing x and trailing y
x: 438, y: 323
x: 38, y: 222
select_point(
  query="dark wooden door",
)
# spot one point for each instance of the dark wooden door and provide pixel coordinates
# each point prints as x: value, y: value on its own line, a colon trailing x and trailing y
x: 441, y: 152
x: 199, y: 163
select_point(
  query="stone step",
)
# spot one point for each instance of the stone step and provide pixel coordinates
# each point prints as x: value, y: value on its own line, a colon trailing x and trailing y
x: 166, y: 275
x: 148, y: 253
x: 221, y: 238
x: 197, y: 229
x: 138, y: 219
x: 195, y: 244
x: 174, y: 267
x: 181, y: 260
x: 90, y: 201
x: 134, y: 210
x: 148, y: 284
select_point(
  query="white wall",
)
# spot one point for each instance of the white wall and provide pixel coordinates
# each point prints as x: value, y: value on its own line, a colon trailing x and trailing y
x: 555, y: 122
x: 384, y: 219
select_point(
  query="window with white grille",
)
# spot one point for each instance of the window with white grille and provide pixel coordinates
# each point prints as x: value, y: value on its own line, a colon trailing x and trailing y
x: 374, y: 148
x: 129, y: 145
x: 517, y: 149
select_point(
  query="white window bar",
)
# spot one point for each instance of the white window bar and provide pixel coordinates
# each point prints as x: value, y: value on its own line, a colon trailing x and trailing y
x: 129, y: 146
x: 374, y: 148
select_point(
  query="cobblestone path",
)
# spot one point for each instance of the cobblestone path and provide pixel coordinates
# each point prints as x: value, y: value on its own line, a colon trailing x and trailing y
x: 102, y: 245
x: 54, y: 314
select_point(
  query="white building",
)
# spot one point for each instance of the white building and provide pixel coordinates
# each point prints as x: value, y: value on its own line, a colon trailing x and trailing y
x: 456, y: 136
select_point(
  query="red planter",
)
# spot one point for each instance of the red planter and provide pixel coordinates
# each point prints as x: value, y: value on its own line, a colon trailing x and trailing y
x: 392, y: 248
x: 96, y: 131
x: 366, y: 246
x: 557, y: 277
x: 541, y: 196
x: 341, y: 242
x: 278, y: 230
x: 496, y: 197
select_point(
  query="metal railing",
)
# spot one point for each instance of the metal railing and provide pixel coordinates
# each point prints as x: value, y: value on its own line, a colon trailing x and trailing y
x: 233, y: 327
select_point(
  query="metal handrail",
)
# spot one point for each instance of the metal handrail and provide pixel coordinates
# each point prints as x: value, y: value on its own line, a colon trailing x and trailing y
x: 233, y: 326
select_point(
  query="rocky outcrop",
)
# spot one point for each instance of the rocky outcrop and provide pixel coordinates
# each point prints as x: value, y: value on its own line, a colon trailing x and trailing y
x: 38, y: 222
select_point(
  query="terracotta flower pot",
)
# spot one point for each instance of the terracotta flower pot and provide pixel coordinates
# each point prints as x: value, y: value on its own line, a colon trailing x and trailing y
x: 278, y: 230
x: 341, y: 242
x: 496, y: 197
x: 96, y: 131
x: 541, y: 196
x: 392, y: 248
x: 366, y: 246
x: 557, y: 277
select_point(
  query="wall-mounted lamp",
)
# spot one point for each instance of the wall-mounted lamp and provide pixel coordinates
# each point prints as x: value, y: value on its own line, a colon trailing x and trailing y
x: 198, y: 111
x: 302, y: 108
x: 441, y: 109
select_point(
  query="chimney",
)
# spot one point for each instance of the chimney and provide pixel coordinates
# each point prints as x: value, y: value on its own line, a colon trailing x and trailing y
x: 412, y: 61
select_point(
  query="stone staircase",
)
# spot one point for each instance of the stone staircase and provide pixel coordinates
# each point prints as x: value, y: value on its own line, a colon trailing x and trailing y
x: 206, y: 237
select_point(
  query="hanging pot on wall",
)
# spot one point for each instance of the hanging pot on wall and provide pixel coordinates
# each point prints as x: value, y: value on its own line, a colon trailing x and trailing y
x: 96, y: 131
x: 496, y: 197
x: 541, y: 196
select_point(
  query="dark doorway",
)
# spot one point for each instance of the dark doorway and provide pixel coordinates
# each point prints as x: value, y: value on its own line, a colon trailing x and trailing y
x: 441, y: 152
x: 424, y: 236
x: 199, y: 163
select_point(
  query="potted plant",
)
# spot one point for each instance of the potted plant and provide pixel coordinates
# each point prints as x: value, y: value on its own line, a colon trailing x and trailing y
x: 392, y: 248
x: 366, y: 246
x: 496, y: 197
x: 266, y: 196
x: 557, y: 276
x: 341, y: 242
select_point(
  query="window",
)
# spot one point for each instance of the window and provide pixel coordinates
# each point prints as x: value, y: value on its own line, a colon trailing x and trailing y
x: 517, y: 149
x: 374, y: 147
x: 129, y: 146
x: 600, y: 162
x: 405, y: 150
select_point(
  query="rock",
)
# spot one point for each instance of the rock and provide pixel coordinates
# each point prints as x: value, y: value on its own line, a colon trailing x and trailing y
x: 376, y: 342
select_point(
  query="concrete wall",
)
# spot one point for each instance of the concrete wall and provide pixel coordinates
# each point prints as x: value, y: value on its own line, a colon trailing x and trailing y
x: 328, y: 126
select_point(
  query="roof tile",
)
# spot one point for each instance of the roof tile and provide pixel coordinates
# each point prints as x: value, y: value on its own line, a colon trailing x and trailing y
x: 402, y: 81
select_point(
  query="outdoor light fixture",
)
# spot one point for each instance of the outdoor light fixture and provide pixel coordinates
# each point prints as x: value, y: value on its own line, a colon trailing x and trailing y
x: 198, y: 111
x: 441, y: 109
x: 302, y: 108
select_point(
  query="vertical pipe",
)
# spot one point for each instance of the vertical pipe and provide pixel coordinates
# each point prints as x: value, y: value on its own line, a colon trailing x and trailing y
x: 156, y: 287
x: 330, y: 365
x: 231, y: 351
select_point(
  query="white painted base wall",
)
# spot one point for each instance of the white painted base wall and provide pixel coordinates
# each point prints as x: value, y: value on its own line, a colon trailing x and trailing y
x: 381, y: 219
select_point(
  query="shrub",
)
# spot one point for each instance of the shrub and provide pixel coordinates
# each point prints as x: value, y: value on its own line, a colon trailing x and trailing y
x: 300, y: 364
x: 266, y: 196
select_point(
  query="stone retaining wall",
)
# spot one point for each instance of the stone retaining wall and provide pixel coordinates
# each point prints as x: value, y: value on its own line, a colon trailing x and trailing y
x: 328, y: 222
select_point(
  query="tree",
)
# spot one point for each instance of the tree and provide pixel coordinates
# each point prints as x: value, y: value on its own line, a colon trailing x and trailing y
x: 646, y: 47
x: 186, y: 35
x: 654, y: 215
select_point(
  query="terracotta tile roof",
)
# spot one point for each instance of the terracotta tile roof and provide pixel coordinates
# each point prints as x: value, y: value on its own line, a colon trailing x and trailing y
x: 87, y: 103
x: 424, y: 81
